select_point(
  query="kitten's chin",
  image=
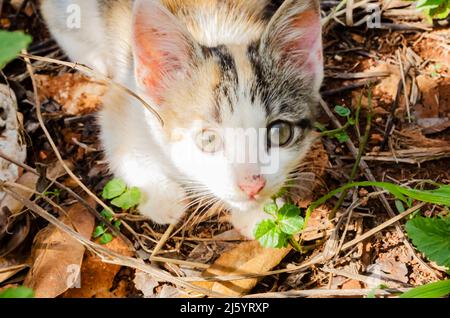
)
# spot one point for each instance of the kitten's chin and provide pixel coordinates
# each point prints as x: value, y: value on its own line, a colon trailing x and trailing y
x: 246, y: 205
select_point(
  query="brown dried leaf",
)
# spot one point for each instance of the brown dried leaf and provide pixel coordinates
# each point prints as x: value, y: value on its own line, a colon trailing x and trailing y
x: 97, y: 277
x: 10, y: 267
x: 28, y: 180
x: 146, y: 283
x: 430, y: 98
x: 388, y: 86
x: 57, y: 256
x: 246, y: 258
x: 75, y: 92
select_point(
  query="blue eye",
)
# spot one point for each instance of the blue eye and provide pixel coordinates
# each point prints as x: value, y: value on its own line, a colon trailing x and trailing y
x: 280, y: 134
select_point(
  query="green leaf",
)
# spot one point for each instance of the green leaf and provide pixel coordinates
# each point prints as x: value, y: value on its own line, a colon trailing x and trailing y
x: 342, y: 137
x: 428, y: 4
x: 106, y: 238
x: 433, y: 290
x: 271, y: 208
x: 107, y: 215
x: 269, y: 235
x: 400, y: 207
x: 440, y: 12
x: 342, y: 111
x: 129, y: 199
x: 113, y: 189
x: 437, y: 9
x: 431, y: 236
x: 289, y: 219
x: 439, y: 196
x: 18, y: 292
x: 320, y: 127
x: 99, y: 231
x: 117, y: 224
x: 11, y: 45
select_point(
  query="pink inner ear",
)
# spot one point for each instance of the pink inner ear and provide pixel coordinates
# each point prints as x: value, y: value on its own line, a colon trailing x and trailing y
x: 161, y: 49
x: 150, y: 66
x: 307, y: 47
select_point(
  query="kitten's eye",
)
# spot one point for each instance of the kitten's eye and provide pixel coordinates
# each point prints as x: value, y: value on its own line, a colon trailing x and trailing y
x: 280, y: 134
x: 209, y: 141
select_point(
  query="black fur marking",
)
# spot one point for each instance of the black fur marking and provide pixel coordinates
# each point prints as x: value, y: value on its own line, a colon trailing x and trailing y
x: 260, y: 86
x: 226, y: 90
x: 284, y: 95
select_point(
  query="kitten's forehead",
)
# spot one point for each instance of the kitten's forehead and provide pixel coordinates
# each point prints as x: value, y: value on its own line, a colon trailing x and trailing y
x: 249, y: 86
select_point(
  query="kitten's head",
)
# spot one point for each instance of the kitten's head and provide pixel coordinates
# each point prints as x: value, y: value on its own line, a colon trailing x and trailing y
x: 237, y: 117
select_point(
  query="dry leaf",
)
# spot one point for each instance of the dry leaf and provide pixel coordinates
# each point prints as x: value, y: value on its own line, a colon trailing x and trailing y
x: 433, y: 125
x: 352, y: 284
x: 76, y: 93
x: 168, y: 291
x: 9, y: 269
x: 97, y: 277
x: 146, y: 283
x: 30, y: 180
x: 57, y: 256
x: 246, y: 258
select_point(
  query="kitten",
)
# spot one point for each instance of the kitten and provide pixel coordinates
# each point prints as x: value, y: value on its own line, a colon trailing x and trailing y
x: 215, y: 69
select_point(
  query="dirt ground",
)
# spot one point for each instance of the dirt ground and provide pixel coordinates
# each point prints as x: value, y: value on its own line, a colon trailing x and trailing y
x: 404, y: 64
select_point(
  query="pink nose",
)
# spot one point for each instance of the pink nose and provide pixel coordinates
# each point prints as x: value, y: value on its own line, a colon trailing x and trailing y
x: 253, y: 185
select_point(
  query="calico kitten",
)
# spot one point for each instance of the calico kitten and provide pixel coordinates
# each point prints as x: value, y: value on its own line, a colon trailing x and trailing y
x: 212, y: 68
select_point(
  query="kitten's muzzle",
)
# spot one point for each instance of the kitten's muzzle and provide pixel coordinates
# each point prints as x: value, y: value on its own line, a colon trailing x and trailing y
x: 253, y: 185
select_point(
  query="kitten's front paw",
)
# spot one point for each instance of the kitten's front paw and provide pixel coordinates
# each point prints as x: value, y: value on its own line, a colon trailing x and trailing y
x: 246, y: 222
x: 162, y: 209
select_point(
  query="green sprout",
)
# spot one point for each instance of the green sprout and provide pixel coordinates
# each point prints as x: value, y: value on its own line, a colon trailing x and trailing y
x: 279, y: 231
x: 434, y: 9
x: 340, y: 134
x: 17, y: 292
x: 285, y: 223
x: 12, y: 44
x: 121, y: 197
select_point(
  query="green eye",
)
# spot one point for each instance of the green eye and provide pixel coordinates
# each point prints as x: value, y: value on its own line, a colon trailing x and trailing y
x: 209, y: 141
x: 280, y: 134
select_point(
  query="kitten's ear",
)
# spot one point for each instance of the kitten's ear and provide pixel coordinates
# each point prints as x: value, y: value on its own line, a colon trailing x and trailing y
x: 163, y: 49
x: 294, y: 39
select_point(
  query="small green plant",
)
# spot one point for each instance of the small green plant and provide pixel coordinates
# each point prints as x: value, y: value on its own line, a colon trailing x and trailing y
x: 55, y: 193
x: 434, y: 9
x: 432, y: 290
x: 340, y: 134
x: 11, y: 45
x: 121, y: 197
x: 271, y: 234
x: 431, y: 236
x: 17, y: 292
x: 279, y: 231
